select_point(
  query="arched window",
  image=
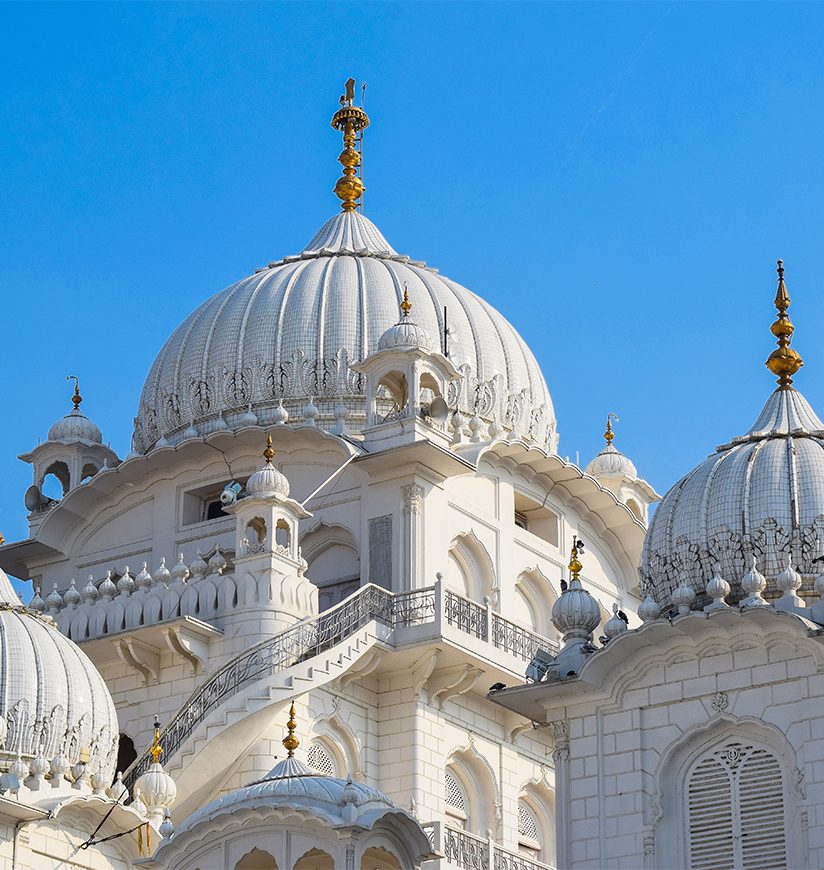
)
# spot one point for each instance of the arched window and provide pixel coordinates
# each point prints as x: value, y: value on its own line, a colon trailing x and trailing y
x: 735, y: 813
x: 321, y: 759
x: 257, y: 860
x: 529, y: 832
x: 457, y: 804
x: 55, y: 482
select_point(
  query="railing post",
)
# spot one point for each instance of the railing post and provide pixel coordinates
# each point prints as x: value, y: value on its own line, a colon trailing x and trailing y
x: 439, y: 604
x: 487, y: 633
x: 490, y: 851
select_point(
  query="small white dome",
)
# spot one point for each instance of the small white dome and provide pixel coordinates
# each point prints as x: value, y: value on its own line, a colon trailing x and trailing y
x: 575, y: 614
x: 610, y: 462
x: 54, y: 701
x: 76, y: 426
x: 266, y: 482
x: 405, y: 335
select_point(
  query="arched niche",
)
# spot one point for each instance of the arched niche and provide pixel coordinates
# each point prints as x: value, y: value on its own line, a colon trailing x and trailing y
x: 734, y: 741
x: 470, y: 571
x: 633, y: 505
x: 257, y: 859
x: 342, y: 745
x: 126, y: 753
x: 533, y: 600
x: 393, y: 390
x: 256, y: 531
x: 477, y: 779
x: 55, y: 480
x: 332, y: 555
x: 379, y: 858
x: 89, y: 470
x: 536, y: 804
x: 283, y: 533
x: 315, y: 859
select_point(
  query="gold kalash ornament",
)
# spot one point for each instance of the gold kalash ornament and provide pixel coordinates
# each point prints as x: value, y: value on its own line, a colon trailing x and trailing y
x: 351, y: 120
x: 783, y: 362
x: 290, y: 742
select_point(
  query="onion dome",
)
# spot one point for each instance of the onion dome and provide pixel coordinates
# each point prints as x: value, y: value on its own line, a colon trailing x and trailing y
x: 217, y: 562
x: 75, y: 426
x: 649, y: 609
x: 267, y: 481
x: 125, y: 585
x: 180, y: 571
x: 37, y: 604
x: 753, y: 584
x: 575, y: 613
x: 761, y: 494
x: 54, y: 600
x: 117, y: 791
x: 89, y: 591
x: 296, y: 327
x: 405, y: 334
x: 54, y: 702
x: 199, y: 567
x: 610, y: 462
x: 161, y: 575
x: 717, y: 589
x: 615, y: 625
x: 144, y: 578
x: 157, y: 790
x: 72, y: 596
x: 107, y: 589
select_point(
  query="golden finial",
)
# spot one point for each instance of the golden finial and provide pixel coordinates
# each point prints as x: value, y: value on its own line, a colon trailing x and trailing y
x: 269, y: 452
x: 76, y: 398
x: 156, y: 749
x: 784, y: 361
x: 574, y: 563
x: 406, y: 305
x: 609, y: 434
x: 351, y: 120
x: 290, y: 742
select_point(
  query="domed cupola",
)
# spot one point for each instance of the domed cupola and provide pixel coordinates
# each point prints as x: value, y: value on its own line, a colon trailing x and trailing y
x: 54, y: 704
x: 73, y: 452
x: 405, y: 334
x: 296, y: 330
x: 756, y: 503
x: 617, y: 473
x: 343, y: 819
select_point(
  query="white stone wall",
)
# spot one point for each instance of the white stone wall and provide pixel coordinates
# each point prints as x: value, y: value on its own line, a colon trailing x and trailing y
x: 672, y: 693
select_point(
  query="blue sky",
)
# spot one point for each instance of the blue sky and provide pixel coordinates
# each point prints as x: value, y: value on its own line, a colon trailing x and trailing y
x: 617, y: 179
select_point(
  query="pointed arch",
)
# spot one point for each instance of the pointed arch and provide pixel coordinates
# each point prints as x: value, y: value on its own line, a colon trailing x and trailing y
x: 534, y: 597
x: 479, y: 783
x: 471, y: 571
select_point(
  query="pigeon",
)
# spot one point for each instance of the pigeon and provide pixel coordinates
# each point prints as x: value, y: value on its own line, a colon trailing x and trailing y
x: 497, y: 687
x: 623, y: 616
x: 564, y: 585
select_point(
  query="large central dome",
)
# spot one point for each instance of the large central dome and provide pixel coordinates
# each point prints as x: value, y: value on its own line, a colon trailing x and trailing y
x: 291, y: 332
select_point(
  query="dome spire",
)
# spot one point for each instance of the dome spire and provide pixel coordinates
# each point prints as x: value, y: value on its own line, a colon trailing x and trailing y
x: 574, y: 562
x: 350, y: 120
x: 290, y: 742
x: 156, y: 750
x: 269, y: 452
x: 609, y: 435
x: 406, y: 305
x: 784, y: 361
x: 76, y: 398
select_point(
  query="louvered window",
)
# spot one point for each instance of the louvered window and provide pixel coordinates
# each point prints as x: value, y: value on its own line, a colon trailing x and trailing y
x: 456, y: 802
x: 529, y: 834
x: 735, y: 798
x: 321, y: 760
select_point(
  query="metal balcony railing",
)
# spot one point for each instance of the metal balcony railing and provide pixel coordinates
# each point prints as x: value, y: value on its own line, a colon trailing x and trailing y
x: 471, y: 852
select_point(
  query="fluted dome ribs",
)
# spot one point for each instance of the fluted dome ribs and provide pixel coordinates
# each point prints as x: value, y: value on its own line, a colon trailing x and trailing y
x: 292, y: 331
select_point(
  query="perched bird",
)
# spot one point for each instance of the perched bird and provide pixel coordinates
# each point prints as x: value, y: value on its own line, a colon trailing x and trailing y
x: 564, y: 585
x: 622, y: 615
x: 497, y: 687
x: 603, y: 640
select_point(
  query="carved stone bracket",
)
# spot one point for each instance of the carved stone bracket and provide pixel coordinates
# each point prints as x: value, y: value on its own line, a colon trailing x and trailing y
x: 188, y: 646
x: 363, y: 667
x: 450, y: 682
x: 139, y: 657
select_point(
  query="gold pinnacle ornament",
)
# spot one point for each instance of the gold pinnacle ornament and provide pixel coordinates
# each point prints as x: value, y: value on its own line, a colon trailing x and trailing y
x: 574, y: 563
x: 76, y: 398
x: 350, y: 120
x: 783, y: 362
x: 269, y: 452
x: 156, y: 749
x: 290, y: 742
x: 406, y: 305
x: 609, y: 434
